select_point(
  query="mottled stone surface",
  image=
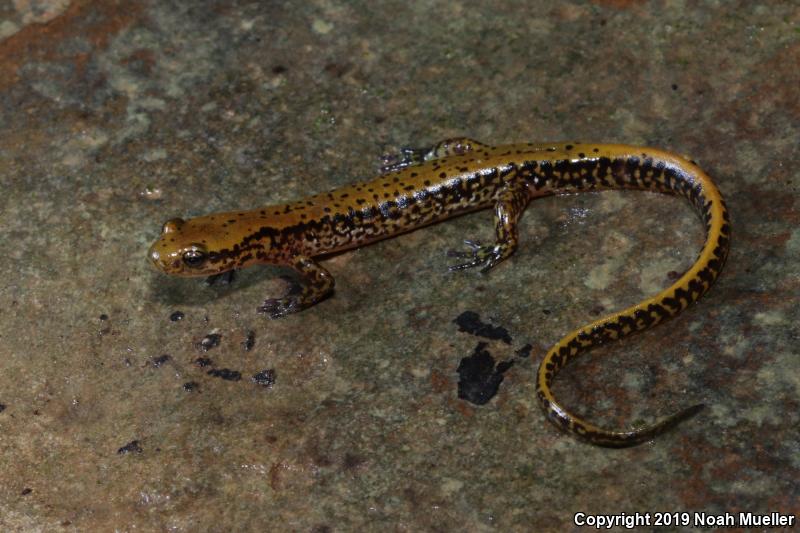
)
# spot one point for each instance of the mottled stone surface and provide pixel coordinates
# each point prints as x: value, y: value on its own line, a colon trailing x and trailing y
x: 115, y: 116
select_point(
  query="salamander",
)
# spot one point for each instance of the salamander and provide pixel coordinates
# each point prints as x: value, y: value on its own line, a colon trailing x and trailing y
x: 423, y: 186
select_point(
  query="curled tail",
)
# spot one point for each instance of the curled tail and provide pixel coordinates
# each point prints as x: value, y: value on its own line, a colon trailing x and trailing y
x: 643, y: 168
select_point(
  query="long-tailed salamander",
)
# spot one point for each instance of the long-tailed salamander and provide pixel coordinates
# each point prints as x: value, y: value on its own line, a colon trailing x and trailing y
x: 456, y: 176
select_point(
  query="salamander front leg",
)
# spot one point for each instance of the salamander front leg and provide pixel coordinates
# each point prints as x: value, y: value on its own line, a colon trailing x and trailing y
x: 509, y: 207
x: 316, y: 284
x: 416, y: 156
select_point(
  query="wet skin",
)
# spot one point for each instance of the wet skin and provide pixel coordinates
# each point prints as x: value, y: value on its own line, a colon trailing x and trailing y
x: 424, y: 186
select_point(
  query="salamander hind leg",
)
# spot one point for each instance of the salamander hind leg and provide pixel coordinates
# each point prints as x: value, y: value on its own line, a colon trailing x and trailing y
x: 511, y: 202
x: 417, y: 156
x: 316, y: 284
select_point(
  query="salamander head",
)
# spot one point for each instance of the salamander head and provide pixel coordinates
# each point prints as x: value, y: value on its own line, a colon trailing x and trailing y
x: 198, y: 247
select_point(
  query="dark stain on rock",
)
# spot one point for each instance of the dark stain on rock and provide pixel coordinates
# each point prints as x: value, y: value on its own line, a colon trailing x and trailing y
x: 470, y: 322
x: 225, y: 373
x: 265, y: 378
x: 210, y: 341
x: 525, y: 351
x: 132, y: 447
x: 249, y: 341
x: 160, y: 360
x: 352, y: 461
x: 478, y: 377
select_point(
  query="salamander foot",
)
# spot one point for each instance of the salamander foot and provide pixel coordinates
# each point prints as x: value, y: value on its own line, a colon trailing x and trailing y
x: 278, y: 307
x: 406, y: 158
x: 486, y: 256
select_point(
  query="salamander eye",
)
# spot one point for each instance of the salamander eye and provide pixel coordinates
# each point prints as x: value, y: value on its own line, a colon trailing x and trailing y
x: 194, y: 257
x: 173, y: 224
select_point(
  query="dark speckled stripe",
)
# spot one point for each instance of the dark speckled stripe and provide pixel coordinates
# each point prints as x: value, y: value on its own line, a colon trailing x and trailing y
x: 456, y: 176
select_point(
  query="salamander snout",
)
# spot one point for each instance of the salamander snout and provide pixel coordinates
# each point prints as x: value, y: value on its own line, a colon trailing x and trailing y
x: 160, y: 257
x: 186, y: 260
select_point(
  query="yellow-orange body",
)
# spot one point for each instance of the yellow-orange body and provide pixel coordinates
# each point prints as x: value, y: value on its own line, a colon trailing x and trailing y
x: 454, y: 177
